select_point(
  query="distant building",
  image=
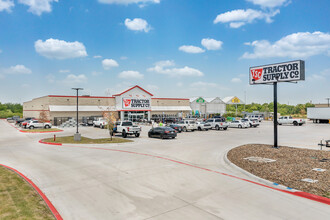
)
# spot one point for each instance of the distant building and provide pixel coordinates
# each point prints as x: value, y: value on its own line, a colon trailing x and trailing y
x: 204, y: 107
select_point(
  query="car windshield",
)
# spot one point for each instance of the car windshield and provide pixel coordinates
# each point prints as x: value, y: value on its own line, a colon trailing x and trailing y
x: 245, y: 120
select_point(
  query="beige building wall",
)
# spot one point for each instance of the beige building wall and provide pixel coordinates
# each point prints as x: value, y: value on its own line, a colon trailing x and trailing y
x: 169, y: 102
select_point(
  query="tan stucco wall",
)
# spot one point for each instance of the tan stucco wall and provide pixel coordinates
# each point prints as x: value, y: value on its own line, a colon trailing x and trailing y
x: 102, y: 101
x: 169, y: 102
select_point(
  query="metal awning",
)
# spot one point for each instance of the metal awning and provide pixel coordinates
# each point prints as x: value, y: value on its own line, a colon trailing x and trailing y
x: 170, y: 108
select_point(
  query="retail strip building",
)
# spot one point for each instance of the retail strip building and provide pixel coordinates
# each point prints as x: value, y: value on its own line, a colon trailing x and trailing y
x: 133, y: 104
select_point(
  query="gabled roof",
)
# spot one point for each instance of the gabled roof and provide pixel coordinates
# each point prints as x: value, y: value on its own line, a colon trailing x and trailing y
x: 209, y: 99
x: 193, y: 99
x: 131, y: 89
x: 228, y: 100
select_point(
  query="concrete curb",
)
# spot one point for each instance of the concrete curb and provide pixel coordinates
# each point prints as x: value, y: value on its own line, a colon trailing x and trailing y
x: 264, y: 181
x: 42, y: 195
x: 43, y: 142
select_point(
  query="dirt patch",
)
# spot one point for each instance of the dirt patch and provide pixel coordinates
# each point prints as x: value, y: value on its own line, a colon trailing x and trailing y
x: 291, y: 166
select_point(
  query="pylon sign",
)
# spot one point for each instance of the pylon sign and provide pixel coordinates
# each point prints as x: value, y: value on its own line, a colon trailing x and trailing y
x: 279, y: 72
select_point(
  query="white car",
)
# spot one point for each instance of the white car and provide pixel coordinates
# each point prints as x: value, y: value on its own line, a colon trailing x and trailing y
x: 252, y: 122
x: 203, y: 126
x: 238, y: 124
x: 188, y: 125
x: 37, y: 124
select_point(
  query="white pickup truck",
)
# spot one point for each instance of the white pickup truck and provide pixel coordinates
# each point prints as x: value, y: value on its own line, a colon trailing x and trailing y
x: 37, y: 124
x: 289, y: 120
x: 100, y: 122
x: 218, y: 123
x: 127, y: 128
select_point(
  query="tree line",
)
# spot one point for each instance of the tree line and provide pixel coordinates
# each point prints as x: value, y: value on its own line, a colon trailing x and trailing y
x: 283, y: 109
x: 10, y: 109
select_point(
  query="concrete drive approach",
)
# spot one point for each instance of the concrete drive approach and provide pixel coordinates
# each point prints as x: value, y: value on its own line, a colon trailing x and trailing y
x: 95, y: 182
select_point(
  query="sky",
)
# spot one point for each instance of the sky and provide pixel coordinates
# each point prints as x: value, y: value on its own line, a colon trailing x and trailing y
x: 172, y: 48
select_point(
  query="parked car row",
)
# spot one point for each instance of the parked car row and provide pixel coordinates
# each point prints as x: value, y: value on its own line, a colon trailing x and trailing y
x: 31, y: 123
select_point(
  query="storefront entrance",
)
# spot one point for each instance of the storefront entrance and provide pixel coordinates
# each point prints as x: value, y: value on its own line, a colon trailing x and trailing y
x: 136, y: 116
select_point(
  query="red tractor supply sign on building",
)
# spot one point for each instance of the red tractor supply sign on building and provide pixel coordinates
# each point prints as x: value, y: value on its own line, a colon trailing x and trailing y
x: 279, y: 72
x: 134, y: 103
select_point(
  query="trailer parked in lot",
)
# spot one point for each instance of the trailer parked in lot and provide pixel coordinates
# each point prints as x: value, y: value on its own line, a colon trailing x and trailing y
x: 319, y: 115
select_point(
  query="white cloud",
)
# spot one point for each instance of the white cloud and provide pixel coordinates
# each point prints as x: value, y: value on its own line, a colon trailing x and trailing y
x: 162, y: 67
x: 137, y: 24
x: 109, y: 63
x: 60, y: 49
x: 6, y: 5
x: 97, y: 56
x: 326, y: 72
x: 126, y: 2
x: 152, y: 88
x: 95, y: 73
x: 240, y: 17
x: 130, y: 75
x: 18, y: 69
x: 50, y: 78
x: 38, y: 7
x: 200, y: 84
x: 297, y: 45
x: 236, y: 80
x: 64, y: 71
x: 72, y: 79
x: 211, y: 44
x: 269, y: 3
x: 123, y: 58
x: 191, y: 49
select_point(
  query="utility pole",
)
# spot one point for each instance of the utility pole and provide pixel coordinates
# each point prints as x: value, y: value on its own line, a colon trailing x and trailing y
x: 77, y: 136
x: 328, y: 101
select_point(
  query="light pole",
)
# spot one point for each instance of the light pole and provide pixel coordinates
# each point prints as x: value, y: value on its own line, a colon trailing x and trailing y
x: 328, y: 101
x: 77, y: 136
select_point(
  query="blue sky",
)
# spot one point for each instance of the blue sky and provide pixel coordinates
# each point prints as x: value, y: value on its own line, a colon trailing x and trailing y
x: 173, y: 48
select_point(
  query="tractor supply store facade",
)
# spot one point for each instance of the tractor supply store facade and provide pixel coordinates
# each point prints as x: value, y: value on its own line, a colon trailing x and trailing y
x: 134, y: 104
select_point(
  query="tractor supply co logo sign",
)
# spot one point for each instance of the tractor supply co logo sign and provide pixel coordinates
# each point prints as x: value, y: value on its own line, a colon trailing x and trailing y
x: 280, y: 72
x: 200, y: 100
x: 133, y: 103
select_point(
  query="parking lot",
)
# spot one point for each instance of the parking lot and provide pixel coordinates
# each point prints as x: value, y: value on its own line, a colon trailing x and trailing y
x: 182, y: 178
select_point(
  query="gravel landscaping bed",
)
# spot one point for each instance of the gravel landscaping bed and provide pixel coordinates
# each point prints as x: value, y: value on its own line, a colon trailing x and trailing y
x: 291, y: 166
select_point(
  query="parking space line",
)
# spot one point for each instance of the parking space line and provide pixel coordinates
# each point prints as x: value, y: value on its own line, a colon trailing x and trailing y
x: 43, y: 196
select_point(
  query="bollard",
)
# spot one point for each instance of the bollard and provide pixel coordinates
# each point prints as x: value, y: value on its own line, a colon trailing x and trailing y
x: 54, y: 137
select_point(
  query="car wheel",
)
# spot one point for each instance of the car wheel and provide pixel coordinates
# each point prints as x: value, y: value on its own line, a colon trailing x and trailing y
x: 184, y: 129
x: 295, y: 123
x: 199, y: 128
x: 206, y: 129
x: 137, y: 134
x: 239, y: 126
x: 192, y: 130
x: 161, y: 136
x: 124, y: 134
x: 250, y: 125
x: 31, y: 127
x: 225, y: 128
x: 149, y: 135
x: 217, y: 127
x: 173, y: 137
x: 300, y: 124
x: 47, y: 126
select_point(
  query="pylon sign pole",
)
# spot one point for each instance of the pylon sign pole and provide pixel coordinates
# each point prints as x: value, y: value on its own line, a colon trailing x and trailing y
x: 291, y: 71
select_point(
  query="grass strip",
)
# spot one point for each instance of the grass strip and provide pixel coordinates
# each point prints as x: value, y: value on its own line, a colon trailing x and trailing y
x: 18, y: 199
x: 40, y: 130
x: 85, y: 140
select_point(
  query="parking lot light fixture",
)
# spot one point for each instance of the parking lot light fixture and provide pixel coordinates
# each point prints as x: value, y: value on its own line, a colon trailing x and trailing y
x: 77, y: 136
